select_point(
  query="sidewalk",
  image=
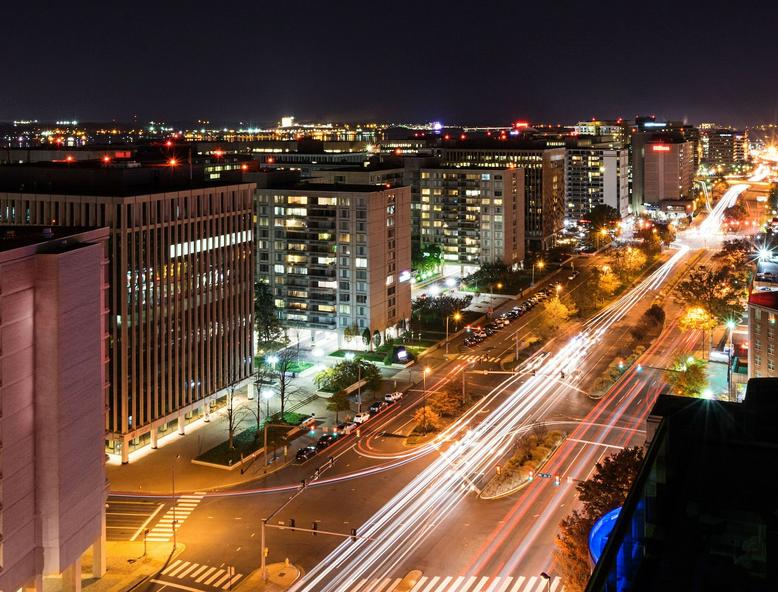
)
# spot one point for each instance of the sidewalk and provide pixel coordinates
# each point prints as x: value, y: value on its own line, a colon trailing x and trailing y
x: 280, y: 576
x: 126, y: 567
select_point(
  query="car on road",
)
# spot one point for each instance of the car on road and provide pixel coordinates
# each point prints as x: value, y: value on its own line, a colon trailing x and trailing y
x: 361, y: 417
x: 325, y: 441
x: 393, y: 397
x: 305, y: 453
x: 346, y: 428
x: 573, y: 274
x: 377, y: 407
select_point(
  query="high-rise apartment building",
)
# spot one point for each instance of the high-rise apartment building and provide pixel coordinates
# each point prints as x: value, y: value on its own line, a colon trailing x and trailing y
x: 544, y: 179
x: 181, y: 275
x: 595, y: 175
x: 616, y: 130
x: 475, y: 214
x: 662, y: 172
x: 336, y: 256
x: 723, y: 147
x: 53, y: 388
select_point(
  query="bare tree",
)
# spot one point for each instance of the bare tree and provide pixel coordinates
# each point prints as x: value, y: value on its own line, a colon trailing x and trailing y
x: 234, y: 418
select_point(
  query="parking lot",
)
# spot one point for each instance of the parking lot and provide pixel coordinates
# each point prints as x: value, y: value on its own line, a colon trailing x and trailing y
x: 127, y: 518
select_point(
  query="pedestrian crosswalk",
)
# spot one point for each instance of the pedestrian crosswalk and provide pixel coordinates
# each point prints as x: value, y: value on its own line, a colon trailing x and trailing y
x: 477, y: 358
x: 176, y: 514
x: 198, y: 574
x: 465, y: 584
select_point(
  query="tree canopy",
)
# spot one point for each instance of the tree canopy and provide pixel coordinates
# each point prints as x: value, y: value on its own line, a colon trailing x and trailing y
x: 270, y: 332
x: 686, y: 376
x: 344, y: 374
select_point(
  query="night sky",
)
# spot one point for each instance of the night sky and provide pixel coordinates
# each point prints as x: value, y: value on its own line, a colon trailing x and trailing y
x: 459, y: 62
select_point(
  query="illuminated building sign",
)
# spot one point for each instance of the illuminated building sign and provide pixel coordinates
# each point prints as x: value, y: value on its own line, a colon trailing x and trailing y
x: 404, y: 276
x: 660, y: 148
x: 208, y: 244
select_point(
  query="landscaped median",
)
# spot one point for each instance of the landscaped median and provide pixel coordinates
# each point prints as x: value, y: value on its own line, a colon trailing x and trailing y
x: 531, y: 451
x: 248, y: 444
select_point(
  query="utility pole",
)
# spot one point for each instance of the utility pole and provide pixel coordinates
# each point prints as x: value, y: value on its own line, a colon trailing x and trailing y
x: 173, y: 485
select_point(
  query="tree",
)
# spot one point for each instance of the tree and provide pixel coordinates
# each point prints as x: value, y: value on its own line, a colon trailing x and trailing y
x: 628, y: 261
x: 737, y: 212
x: 719, y: 292
x: 366, y: 336
x: 427, y: 420
x: 350, y: 332
x: 337, y: 403
x: 572, y: 550
x: 605, y: 490
x: 555, y: 314
x: 686, y: 376
x: 445, y: 403
x: 270, y: 333
x: 426, y: 259
x: 281, y: 371
x: 602, y: 216
x: 233, y: 417
x: 377, y: 338
x: 608, y: 487
x: 607, y: 283
x: 344, y: 374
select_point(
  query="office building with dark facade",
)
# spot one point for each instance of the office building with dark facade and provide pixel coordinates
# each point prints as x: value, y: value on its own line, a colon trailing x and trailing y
x: 181, y: 258
x: 544, y: 179
x: 701, y: 514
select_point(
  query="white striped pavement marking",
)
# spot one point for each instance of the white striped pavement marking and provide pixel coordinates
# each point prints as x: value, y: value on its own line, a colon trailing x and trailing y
x: 432, y: 583
x: 518, y: 584
x: 205, y: 575
x: 221, y: 581
x: 171, y: 566
x: 198, y: 572
x: 481, y: 584
x: 218, y: 574
x: 467, y: 583
x: 232, y: 582
x: 456, y: 584
x: 173, y: 572
x: 443, y: 585
x: 555, y: 584
x: 419, y: 585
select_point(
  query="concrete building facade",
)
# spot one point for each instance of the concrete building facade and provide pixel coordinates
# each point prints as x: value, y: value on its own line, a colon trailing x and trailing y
x: 53, y: 388
x: 475, y: 214
x: 181, y: 274
x: 593, y: 176
x: 544, y: 181
x: 336, y: 257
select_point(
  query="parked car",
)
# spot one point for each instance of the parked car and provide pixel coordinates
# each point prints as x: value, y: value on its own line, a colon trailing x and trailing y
x: 393, y: 397
x: 346, y: 428
x: 377, y: 407
x: 305, y: 453
x: 361, y: 417
x: 325, y: 441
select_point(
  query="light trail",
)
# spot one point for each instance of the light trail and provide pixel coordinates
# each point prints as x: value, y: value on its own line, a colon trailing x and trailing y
x: 403, y: 523
x: 712, y: 224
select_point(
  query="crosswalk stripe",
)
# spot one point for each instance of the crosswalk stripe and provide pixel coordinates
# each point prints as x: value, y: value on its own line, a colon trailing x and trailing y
x: 519, y: 582
x: 232, y: 582
x: 359, y: 585
x: 443, y: 585
x: 431, y: 585
x: 187, y: 571
x: 200, y: 570
x: 218, y: 574
x: 218, y: 583
x: 466, y: 585
x: 419, y: 584
x: 503, y: 586
x: 178, y: 569
x: 171, y: 566
x: 481, y: 584
x: 205, y: 575
x: 531, y: 583
x: 555, y: 584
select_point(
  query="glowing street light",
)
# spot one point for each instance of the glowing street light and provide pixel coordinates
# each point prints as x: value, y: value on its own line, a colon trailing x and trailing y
x: 765, y: 254
x: 350, y: 356
x: 539, y: 264
x: 273, y: 360
x: 172, y: 162
x: 456, y: 317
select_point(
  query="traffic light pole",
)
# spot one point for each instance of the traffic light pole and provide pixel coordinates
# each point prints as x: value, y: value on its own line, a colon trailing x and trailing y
x: 303, y: 484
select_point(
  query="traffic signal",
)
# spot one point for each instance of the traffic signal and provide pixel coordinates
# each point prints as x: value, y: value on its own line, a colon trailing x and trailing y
x: 291, y: 523
x: 267, y: 551
x: 315, y: 527
x: 531, y: 476
x: 353, y: 534
x: 556, y: 480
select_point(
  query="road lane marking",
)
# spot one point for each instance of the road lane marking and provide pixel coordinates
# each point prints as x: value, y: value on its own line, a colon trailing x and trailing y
x: 171, y: 566
x: 142, y: 527
x: 594, y: 443
x: 519, y: 582
x: 205, y: 575
x: 173, y: 572
x: 172, y: 585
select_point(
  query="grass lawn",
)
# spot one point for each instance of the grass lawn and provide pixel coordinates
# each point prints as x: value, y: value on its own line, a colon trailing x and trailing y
x: 294, y: 366
x: 246, y: 441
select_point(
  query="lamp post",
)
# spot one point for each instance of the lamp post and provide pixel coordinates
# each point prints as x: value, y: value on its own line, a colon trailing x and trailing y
x: 546, y: 577
x: 730, y: 351
x: 456, y: 316
x: 427, y: 370
x: 539, y: 264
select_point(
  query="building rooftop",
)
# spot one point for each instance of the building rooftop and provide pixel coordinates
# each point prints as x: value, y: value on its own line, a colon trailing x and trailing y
x: 701, y: 512
x: 52, y: 238
x: 767, y: 297
x: 336, y: 187
x: 116, y: 178
x: 496, y: 144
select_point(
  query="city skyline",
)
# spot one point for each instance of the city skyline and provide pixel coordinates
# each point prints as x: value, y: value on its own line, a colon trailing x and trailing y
x: 553, y: 64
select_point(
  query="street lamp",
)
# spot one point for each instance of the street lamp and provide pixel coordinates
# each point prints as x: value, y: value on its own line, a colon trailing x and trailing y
x: 546, y: 577
x: 273, y: 360
x: 173, y: 487
x: 558, y: 289
x: 539, y: 264
x: 457, y: 316
x: 427, y: 370
x: 349, y: 356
